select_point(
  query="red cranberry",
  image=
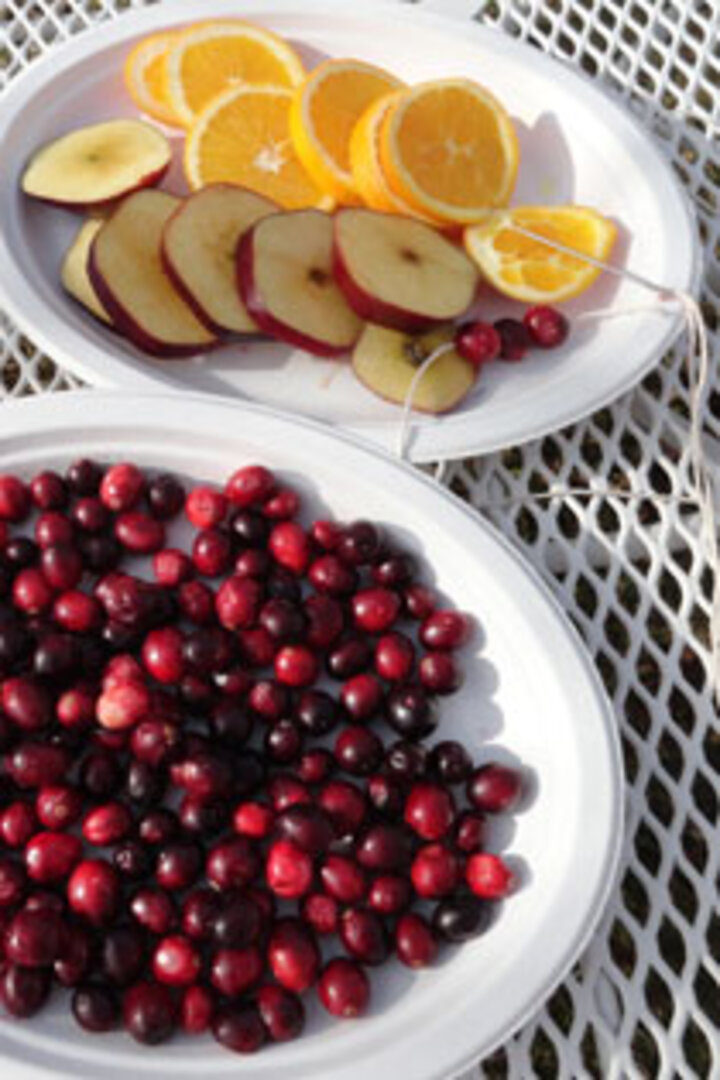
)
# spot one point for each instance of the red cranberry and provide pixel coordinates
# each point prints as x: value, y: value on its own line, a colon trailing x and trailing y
x: 289, y: 869
x: 296, y: 666
x: 162, y: 654
x: 258, y: 647
x: 90, y: 515
x: 123, y: 706
x: 315, y: 766
x: 284, y: 504
x: 394, y: 657
x: 410, y: 712
x: 234, y: 971
x: 232, y: 864
x: 18, y: 823
x: 389, y: 894
x: 149, y: 1013
x: 287, y: 791
x: 489, y: 876
x: 434, y: 871
x: 12, y: 883
x: 32, y: 765
x: 363, y: 935
x: 32, y: 592
x: 477, y: 342
x: 515, y: 339
x: 154, y: 910
x: 254, y: 819
x: 439, y: 673
x: 172, y: 567
x: 345, y: 804
x: 321, y: 912
x: 239, y: 1028
x: 76, y: 611
x: 290, y: 546
x: 469, y: 832
x: 281, y: 1012
x: 140, y: 533
x: 107, y: 824
x: 458, y: 918
x: 415, y: 941
x: 197, y: 602
x: 203, y: 775
x: 23, y: 990
x: 176, y: 961
x: 123, y: 954
x: 122, y: 487
x: 326, y: 534
x: 269, y: 699
x: 250, y: 486
x: 76, y: 707
x: 205, y: 507
x: 429, y: 811
x: 385, y: 847
x: 93, y: 891
x: 446, y: 630
x: 362, y: 696
x: 48, y: 491
x: 375, y: 610
x: 343, y: 988
x: 58, y: 806
x: 308, y: 827
x: 200, y: 909
x: 212, y: 552
x: 53, y: 529
x: 494, y: 788
x: 26, y: 702
x: 15, y: 501
x: 293, y: 955
x: 74, y: 963
x: 95, y: 1008
x: 237, y: 602
x: 197, y: 1008
x: 329, y: 575
x: 547, y: 326
x: 343, y: 879
x: 325, y: 621
x: 153, y: 741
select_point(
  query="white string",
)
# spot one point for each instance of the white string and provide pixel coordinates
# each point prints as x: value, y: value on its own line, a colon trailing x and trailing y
x: 698, y: 364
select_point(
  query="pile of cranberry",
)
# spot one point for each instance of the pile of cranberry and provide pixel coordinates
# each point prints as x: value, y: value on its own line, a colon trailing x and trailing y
x: 208, y: 776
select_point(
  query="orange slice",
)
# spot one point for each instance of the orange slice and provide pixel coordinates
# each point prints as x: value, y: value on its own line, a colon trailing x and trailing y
x: 324, y: 112
x: 144, y: 75
x: 368, y: 177
x: 449, y: 149
x: 243, y: 137
x: 214, y: 56
x: 526, y: 269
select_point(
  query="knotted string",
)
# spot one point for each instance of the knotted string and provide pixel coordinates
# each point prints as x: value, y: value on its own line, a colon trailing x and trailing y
x: 701, y: 492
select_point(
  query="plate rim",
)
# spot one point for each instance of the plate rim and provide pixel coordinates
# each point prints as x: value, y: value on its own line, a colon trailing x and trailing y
x: 51, y: 410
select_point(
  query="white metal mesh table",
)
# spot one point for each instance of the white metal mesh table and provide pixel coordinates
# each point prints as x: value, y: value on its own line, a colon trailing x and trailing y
x: 644, y: 1001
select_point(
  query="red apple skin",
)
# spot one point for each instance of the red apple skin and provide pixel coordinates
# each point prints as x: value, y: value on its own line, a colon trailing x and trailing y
x: 125, y: 324
x: 152, y: 179
x: 253, y: 301
x: 191, y: 300
x: 416, y: 408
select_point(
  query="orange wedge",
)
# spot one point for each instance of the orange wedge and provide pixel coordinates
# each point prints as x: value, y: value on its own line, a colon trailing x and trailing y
x: 144, y: 75
x: 324, y: 112
x: 215, y: 56
x: 449, y: 149
x: 525, y: 268
x: 243, y: 137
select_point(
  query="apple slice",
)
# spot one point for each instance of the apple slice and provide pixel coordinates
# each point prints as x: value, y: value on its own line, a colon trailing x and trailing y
x: 97, y: 164
x: 74, y: 270
x: 399, y: 272
x: 125, y: 269
x: 284, y: 274
x: 385, y: 361
x: 199, y: 244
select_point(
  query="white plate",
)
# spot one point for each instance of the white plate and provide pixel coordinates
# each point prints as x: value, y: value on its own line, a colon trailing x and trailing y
x: 531, y: 693
x: 576, y: 146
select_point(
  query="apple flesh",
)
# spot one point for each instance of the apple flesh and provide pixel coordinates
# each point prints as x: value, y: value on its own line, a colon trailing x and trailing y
x: 198, y: 247
x: 74, y: 270
x: 386, y: 361
x: 398, y: 272
x: 125, y: 269
x: 97, y: 164
x: 284, y: 274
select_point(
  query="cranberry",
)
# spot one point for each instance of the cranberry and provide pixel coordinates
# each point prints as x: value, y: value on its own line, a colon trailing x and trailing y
x: 123, y: 954
x: 296, y: 666
x: 308, y: 827
x: 18, y: 823
x: 258, y: 647
x: 284, y: 504
x: 203, y: 775
x: 239, y: 1028
x: 107, y: 824
x: 445, y: 630
x: 90, y: 515
x: 49, y: 491
x: 345, y: 804
x: 289, y: 869
x: 122, y: 706
x: 58, y: 805
x: 200, y: 909
x: 290, y: 546
x: 358, y: 751
x: 415, y: 941
x: 253, y: 563
x: 232, y: 864
x: 93, y: 891
x: 238, y: 923
x: 154, y: 910
x: 287, y: 791
x: 469, y: 832
x: 410, y: 712
x: 140, y: 533
x: 489, y: 876
x: 237, y: 602
x: 24, y: 991
x: 343, y: 988
x: 329, y: 575
x: 212, y: 552
x: 57, y: 657
x: 32, y: 765
x: 394, y: 657
x: 158, y: 827
x: 350, y: 657
x: 143, y: 784
x: 197, y: 1008
x: 26, y: 702
x: 74, y: 963
x: 16, y: 645
x: 101, y: 553
x: 283, y: 619
x: 32, y: 593
x: 389, y: 894
x: 325, y: 621
x: 386, y: 795
x: 429, y: 811
x: 434, y: 871
x: 515, y: 339
x: 293, y: 955
x: 359, y: 543
x: 458, y: 918
x: 83, y: 477
x: 176, y: 961
x: 76, y: 611
x: 269, y: 699
x: 254, y: 819
x: 178, y: 865
x: 385, y: 847
x: 494, y: 788
x: 547, y: 326
x: 172, y: 567
x: 316, y: 712
x: 249, y: 528
x: 122, y: 487
x: 439, y: 673
x: 321, y: 912
x: 132, y: 860
x: 12, y: 883
x: 343, y: 879
x: 149, y: 1012
x: 205, y: 507
x: 315, y: 766
x: 95, y: 1008
x: 375, y: 610
x: 363, y: 935
x: 154, y: 741
x: 62, y: 566
x: 477, y: 342
x: 100, y: 775
x: 362, y: 696
x: 52, y: 528
x: 162, y: 654
x: 250, y: 486
x: 197, y: 602
x: 15, y: 501
x: 281, y: 1012
x: 233, y: 971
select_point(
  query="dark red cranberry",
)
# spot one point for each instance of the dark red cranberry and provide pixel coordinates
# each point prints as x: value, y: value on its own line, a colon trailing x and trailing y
x: 250, y: 485
x: 430, y: 811
x: 12, y: 883
x: 362, y: 933
x: 344, y: 988
x: 53, y: 529
x: 450, y: 761
x: 434, y: 871
x: 415, y: 941
x: 253, y: 563
x: 288, y: 870
x: 15, y: 500
x: 23, y: 990
x: 165, y: 496
x: 203, y: 775
x: 153, y: 909
x: 32, y: 765
x: 324, y: 621
x: 494, y: 788
x: 100, y: 774
x: 285, y: 790
x: 32, y: 593
x: 77, y: 954
x: 293, y: 955
x: 290, y: 546
x: 343, y: 879
x: 95, y: 1008
x: 154, y: 741
x: 281, y: 506
x: 515, y: 339
x: 18, y: 823
x: 458, y: 918
x: 90, y: 515
x: 238, y: 923
x: 386, y: 795
x: 83, y: 477
x: 238, y: 602
x: 309, y: 827
x: 358, y: 751
x: 26, y: 702
x: 232, y: 864
x: 94, y: 891
x: 330, y: 576
x: 469, y: 832
x: 212, y: 552
x: 394, y: 570
x: 58, y: 806
x: 202, y: 816
x: 350, y: 657
x: 489, y: 876
x: 144, y: 785
x: 407, y: 761
x: 158, y: 827
x: 410, y: 712
x: 376, y: 609
x: 208, y: 651
x: 199, y: 912
x: 389, y: 894
x: 362, y: 697
x: 477, y: 342
x: 197, y: 602
x: 385, y: 847
x: 239, y: 1028
x: 49, y: 491
x: 149, y: 1013
x: 176, y: 961
x: 315, y: 766
x: 326, y: 534
x: 235, y: 682
x: 178, y: 865
x: 321, y: 912
x: 57, y: 657
x: 132, y: 860
x: 249, y: 528
x: 394, y: 657
x: 547, y: 326
x: 284, y: 742
x: 34, y: 939
x: 16, y: 645
x: 233, y: 971
x: 281, y: 1012
x: 283, y: 620
x: 316, y: 712
x: 101, y: 553
x: 197, y: 1008
x: 270, y: 700
x: 345, y: 804
x: 359, y: 543
x: 446, y: 630
x: 123, y: 954
x: 439, y: 673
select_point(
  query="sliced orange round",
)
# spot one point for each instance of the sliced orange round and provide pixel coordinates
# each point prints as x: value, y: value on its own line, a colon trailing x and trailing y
x: 243, y: 137
x: 324, y: 112
x: 525, y: 268
x: 449, y: 149
x: 365, y: 166
x: 214, y: 56
x: 144, y: 75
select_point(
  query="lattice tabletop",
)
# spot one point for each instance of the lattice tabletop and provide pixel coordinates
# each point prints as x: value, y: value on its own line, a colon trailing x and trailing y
x: 645, y: 999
